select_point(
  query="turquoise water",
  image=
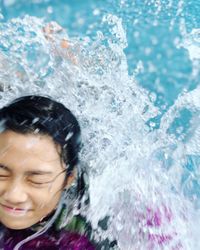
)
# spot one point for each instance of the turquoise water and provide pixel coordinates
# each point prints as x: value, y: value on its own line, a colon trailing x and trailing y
x: 153, y: 31
x: 135, y: 89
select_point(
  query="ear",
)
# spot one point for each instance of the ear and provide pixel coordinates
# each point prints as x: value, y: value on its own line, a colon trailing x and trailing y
x: 71, y: 178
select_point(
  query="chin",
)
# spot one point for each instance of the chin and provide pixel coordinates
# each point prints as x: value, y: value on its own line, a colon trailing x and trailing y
x: 16, y: 226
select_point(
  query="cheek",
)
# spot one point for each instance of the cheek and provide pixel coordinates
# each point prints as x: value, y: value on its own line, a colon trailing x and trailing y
x: 46, y: 200
x: 3, y: 187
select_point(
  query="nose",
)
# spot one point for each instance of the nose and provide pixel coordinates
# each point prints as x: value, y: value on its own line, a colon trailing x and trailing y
x: 15, y: 193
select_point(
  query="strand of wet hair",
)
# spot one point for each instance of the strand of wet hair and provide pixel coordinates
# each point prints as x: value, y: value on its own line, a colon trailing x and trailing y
x: 45, y: 228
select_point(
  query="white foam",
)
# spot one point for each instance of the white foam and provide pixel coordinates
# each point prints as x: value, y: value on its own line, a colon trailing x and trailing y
x: 132, y: 167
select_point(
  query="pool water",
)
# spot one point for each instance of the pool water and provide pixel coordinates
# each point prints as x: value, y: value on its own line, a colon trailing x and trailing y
x: 154, y: 31
x: 134, y: 87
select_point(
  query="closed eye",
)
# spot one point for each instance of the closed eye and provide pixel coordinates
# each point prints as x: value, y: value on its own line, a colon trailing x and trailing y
x: 39, y: 184
x: 4, y: 172
x: 4, y: 176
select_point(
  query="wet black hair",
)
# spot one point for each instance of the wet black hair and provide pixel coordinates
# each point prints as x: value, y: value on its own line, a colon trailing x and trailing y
x: 42, y: 115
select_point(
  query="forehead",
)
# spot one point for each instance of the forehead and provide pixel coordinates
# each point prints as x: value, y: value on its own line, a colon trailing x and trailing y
x: 28, y: 149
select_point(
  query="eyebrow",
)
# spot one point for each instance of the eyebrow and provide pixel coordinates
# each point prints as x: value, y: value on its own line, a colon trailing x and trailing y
x: 30, y: 172
x: 38, y: 172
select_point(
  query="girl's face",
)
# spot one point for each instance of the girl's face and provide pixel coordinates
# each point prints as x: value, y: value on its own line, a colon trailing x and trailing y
x: 31, y: 178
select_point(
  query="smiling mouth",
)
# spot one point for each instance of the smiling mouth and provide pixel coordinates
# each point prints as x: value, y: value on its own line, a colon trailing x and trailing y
x: 14, y: 210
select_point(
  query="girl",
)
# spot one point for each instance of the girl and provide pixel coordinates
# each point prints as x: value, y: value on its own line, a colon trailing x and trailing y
x: 41, y: 183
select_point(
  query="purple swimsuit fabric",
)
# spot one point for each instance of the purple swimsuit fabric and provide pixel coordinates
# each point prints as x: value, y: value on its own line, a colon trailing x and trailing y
x: 50, y: 241
x: 63, y: 240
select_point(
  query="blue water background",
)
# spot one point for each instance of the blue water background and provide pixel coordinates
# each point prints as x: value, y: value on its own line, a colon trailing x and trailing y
x: 152, y: 29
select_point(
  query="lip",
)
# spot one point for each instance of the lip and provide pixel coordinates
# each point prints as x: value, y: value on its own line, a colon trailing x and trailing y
x: 14, y: 210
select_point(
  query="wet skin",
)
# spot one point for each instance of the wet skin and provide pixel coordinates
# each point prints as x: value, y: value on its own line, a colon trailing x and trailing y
x: 31, y: 178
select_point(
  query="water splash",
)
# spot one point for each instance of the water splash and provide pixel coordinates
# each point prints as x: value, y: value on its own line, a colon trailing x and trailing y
x: 135, y: 169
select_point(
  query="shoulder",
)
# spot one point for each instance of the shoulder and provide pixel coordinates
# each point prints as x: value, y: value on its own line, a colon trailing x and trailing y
x: 74, y: 241
x: 62, y: 240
